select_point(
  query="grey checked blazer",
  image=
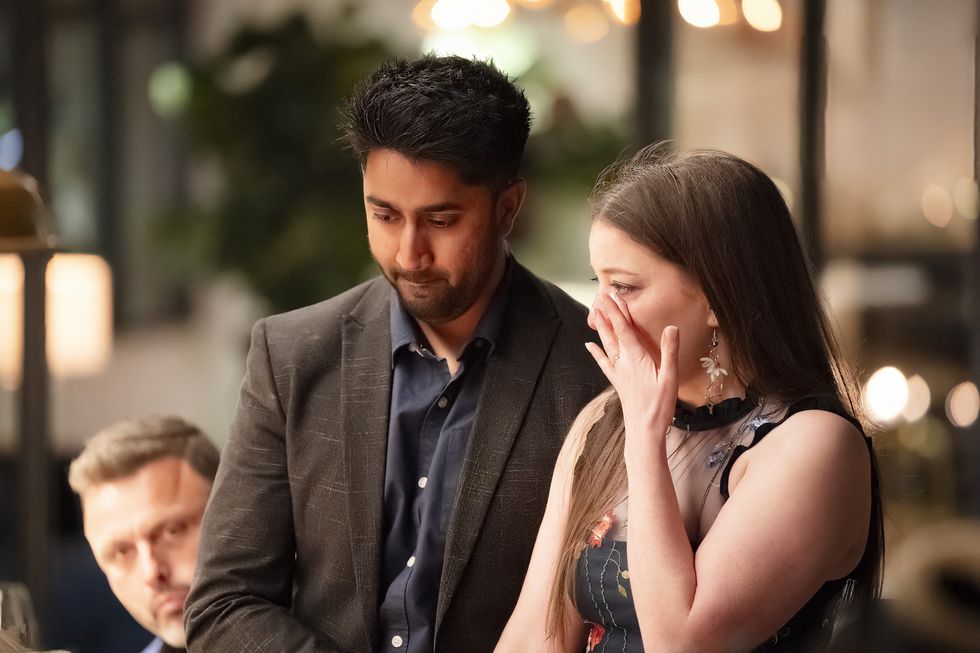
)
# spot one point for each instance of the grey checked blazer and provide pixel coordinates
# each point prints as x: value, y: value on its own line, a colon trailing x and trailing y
x: 290, y: 554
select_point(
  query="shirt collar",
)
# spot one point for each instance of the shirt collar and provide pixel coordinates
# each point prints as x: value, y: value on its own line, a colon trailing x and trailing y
x: 405, y: 332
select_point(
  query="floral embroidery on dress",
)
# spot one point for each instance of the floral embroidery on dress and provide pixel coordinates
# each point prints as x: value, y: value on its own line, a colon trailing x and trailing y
x: 600, y: 529
x: 595, y: 636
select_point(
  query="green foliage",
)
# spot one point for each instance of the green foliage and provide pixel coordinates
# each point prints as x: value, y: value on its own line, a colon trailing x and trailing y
x: 289, y: 216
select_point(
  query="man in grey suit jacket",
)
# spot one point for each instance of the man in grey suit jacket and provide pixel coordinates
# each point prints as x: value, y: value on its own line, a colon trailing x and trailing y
x: 391, y: 453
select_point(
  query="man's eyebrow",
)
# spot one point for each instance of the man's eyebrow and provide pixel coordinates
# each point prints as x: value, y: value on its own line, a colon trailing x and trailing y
x: 442, y: 207
x: 380, y: 202
x: 113, y: 544
x: 439, y: 207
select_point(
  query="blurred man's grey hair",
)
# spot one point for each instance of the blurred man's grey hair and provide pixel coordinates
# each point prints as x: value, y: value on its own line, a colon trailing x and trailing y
x: 124, y: 447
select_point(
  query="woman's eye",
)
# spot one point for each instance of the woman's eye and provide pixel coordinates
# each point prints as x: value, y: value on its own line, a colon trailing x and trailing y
x: 622, y: 289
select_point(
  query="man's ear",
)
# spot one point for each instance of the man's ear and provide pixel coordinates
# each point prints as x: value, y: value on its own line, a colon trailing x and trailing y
x: 509, y: 202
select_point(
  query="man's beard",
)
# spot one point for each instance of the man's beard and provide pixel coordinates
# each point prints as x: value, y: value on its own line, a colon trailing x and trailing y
x: 430, y: 297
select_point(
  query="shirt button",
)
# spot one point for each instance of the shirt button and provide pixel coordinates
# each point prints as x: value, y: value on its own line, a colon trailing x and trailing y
x: 442, y: 403
x: 423, y: 481
x: 411, y: 562
x: 397, y: 641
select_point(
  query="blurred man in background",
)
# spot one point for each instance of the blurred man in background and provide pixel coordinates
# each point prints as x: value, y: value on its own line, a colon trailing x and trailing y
x: 143, y: 485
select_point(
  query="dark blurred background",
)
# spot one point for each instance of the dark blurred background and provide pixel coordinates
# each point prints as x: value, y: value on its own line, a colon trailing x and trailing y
x: 187, y: 151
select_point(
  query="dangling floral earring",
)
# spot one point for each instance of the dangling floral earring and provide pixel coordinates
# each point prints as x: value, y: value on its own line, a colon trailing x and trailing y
x: 712, y: 394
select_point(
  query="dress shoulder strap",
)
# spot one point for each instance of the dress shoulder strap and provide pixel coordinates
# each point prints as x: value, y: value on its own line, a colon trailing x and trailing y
x: 830, y: 404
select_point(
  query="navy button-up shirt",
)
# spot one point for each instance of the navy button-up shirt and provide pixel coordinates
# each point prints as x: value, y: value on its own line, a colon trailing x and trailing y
x: 430, y: 420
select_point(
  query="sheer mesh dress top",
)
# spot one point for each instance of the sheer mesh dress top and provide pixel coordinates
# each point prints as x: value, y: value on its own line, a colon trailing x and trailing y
x: 712, y: 442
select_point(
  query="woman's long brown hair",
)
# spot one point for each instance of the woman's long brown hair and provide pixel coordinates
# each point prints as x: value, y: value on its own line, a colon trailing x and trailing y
x: 724, y: 221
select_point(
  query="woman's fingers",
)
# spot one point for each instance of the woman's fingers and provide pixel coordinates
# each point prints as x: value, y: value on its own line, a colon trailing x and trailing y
x: 616, y: 313
x: 667, y: 378
x: 607, y: 335
x: 602, y: 360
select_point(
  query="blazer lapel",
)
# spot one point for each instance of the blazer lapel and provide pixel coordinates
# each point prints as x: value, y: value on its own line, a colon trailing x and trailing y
x: 365, y: 397
x: 512, y: 374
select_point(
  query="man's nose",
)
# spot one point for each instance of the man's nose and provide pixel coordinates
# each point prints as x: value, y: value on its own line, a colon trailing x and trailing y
x: 154, y: 565
x: 413, y: 248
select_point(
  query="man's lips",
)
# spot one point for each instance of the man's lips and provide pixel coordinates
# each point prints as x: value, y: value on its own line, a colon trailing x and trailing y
x: 417, y: 279
x: 170, y: 601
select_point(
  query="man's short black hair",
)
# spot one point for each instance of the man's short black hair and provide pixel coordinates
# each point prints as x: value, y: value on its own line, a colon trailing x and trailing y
x: 461, y: 113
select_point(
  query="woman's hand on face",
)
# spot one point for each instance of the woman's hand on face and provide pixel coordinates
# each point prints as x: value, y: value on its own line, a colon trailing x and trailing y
x: 648, y: 392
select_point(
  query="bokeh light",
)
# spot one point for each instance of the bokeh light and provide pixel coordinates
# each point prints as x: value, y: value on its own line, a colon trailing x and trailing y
x: 763, y: 15
x: 170, y: 90
x: 586, y: 23
x: 937, y: 205
x: 965, y: 198
x: 927, y: 437
x: 511, y: 47
x: 700, y: 13
x: 11, y: 149
x: 245, y: 72
x: 451, y: 15
x: 920, y: 398
x: 489, y: 13
x: 727, y: 12
x: 626, y: 12
x: 886, y: 394
x: 422, y: 15
x: 963, y: 405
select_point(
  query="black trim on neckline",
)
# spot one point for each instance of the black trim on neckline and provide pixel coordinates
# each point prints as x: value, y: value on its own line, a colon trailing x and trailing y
x: 721, y: 414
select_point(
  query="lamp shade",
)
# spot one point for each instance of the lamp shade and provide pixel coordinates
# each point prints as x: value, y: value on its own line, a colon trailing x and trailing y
x: 77, y: 290
x: 23, y: 222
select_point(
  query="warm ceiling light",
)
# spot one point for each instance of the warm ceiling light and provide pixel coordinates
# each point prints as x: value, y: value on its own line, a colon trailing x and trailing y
x: 489, y: 13
x: 727, y: 12
x: 937, y: 205
x: 963, y: 405
x: 586, y: 23
x: 919, y: 399
x: 451, y: 15
x: 700, y: 13
x: 764, y: 15
x: 886, y: 394
x: 626, y: 12
x: 422, y: 15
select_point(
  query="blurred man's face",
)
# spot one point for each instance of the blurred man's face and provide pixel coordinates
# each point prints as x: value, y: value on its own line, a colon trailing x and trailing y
x: 144, y: 529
